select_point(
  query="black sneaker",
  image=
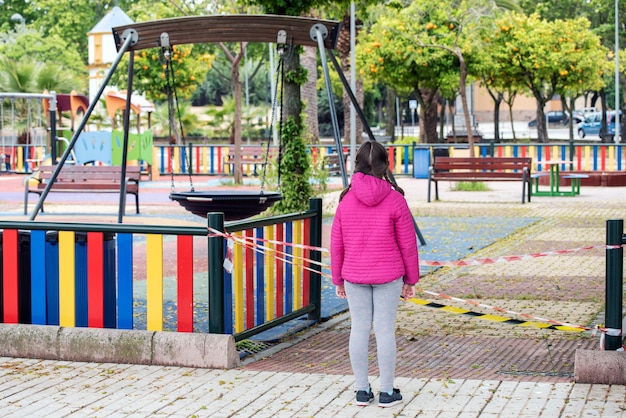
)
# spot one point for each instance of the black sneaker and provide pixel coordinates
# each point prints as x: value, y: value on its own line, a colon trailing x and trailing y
x: 386, y: 400
x: 364, y: 397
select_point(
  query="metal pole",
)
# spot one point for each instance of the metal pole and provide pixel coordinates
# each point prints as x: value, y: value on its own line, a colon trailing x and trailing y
x: 352, y: 84
x: 52, y: 111
x: 331, y: 102
x: 131, y: 37
x: 216, y: 275
x: 614, y: 286
x: 273, y: 96
x: 129, y: 96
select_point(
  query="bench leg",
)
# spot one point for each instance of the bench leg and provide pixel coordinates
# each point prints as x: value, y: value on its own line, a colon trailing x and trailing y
x: 137, y: 203
x: 26, y: 200
x: 429, y: 181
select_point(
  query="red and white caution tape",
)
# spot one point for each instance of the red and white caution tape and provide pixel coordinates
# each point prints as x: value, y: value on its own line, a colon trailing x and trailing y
x: 509, y: 258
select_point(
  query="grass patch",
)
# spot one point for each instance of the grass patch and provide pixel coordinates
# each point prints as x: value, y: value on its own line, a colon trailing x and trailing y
x: 470, y: 186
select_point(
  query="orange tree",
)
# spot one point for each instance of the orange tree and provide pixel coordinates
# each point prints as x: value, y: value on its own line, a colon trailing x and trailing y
x: 388, y: 53
x: 150, y: 76
x: 548, y: 58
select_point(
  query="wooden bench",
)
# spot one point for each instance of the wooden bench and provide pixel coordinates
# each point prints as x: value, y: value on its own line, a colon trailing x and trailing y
x: 254, y: 157
x: 480, y: 169
x: 332, y: 164
x: 84, y: 179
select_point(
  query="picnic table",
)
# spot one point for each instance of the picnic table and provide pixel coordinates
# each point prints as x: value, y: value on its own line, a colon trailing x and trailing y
x: 555, y: 175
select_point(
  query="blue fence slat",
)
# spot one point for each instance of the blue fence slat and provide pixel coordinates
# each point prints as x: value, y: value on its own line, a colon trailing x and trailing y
x: 38, y: 305
x: 260, y: 281
x: 125, y: 281
x: 288, y: 268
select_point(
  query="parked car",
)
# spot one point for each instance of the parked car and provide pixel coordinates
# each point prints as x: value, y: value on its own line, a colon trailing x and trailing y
x: 553, y: 117
x: 579, y: 115
x: 593, y: 123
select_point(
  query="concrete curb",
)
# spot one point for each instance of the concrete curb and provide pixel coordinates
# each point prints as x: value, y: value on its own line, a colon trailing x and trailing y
x: 600, y: 367
x: 211, y: 351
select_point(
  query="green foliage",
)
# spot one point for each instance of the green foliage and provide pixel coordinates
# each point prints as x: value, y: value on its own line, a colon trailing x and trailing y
x: 150, y: 72
x: 290, y: 8
x: 294, y: 171
x: 222, y: 119
x: 50, y: 63
x: 188, y: 119
x: 299, y: 76
x: 27, y: 76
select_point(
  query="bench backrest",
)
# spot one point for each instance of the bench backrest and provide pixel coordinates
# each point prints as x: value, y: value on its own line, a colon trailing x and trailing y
x: 250, y: 153
x: 499, y: 164
x: 332, y: 164
x: 89, y: 173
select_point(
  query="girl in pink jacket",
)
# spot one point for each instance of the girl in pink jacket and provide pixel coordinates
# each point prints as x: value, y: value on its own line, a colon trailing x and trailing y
x: 374, y: 261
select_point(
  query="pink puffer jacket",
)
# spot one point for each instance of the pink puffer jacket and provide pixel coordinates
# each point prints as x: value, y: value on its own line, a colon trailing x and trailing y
x: 373, y: 238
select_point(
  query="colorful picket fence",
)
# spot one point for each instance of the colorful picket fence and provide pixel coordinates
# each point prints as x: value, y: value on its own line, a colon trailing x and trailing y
x: 210, y: 159
x: 86, y: 275
x: 597, y: 157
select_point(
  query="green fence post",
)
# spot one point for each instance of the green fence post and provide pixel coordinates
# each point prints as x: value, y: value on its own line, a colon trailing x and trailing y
x: 216, y: 274
x: 614, y: 286
x: 316, y: 277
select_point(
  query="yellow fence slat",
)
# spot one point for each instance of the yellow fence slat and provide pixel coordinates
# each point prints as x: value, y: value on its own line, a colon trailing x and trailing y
x: 67, y: 279
x: 154, y: 282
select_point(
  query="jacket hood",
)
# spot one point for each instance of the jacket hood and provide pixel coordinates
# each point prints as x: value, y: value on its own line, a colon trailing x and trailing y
x: 369, y: 190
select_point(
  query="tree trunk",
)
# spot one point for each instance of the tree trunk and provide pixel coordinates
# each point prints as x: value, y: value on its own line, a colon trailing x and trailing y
x: 236, y: 86
x: 428, y: 116
x: 309, y: 93
x: 442, y: 120
x: 496, y: 120
x: 390, y: 119
x: 542, y: 130
x: 466, y: 114
x: 293, y: 101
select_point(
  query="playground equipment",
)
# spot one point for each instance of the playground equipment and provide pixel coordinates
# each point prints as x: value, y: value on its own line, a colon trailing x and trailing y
x: 23, y: 128
x: 283, y: 30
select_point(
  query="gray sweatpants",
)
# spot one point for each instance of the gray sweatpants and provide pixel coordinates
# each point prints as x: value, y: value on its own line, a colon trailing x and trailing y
x: 375, y: 305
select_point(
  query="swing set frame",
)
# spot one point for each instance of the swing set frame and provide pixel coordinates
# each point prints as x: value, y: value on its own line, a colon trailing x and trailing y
x: 291, y: 30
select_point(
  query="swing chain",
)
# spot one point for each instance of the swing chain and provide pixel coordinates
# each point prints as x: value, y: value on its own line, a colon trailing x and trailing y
x: 279, y: 76
x: 172, y: 99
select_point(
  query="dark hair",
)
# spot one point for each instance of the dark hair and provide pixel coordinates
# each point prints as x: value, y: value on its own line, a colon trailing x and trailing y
x: 371, y: 159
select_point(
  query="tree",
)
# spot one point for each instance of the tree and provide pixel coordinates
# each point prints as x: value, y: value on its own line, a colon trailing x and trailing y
x: 27, y: 45
x: 70, y: 21
x: 449, y: 25
x: 294, y: 168
x: 387, y: 55
x: 548, y: 57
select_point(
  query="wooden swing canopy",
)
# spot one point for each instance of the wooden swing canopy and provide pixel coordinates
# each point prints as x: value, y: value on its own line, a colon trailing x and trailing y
x: 228, y: 28
x: 287, y: 30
